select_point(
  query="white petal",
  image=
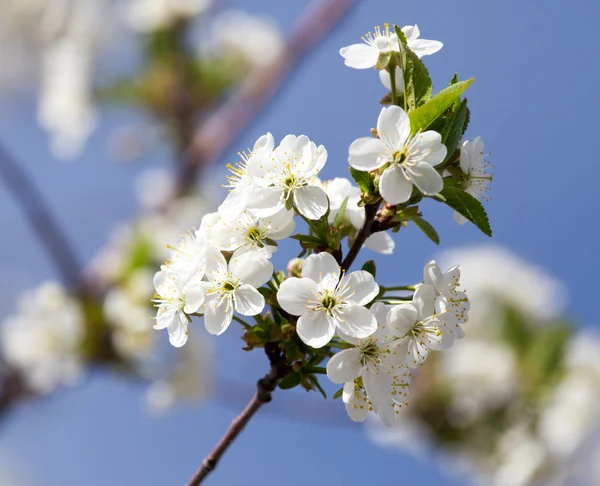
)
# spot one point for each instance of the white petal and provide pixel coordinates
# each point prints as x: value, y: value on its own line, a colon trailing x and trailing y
x: 261, y: 168
x: 411, y: 32
x: 385, y: 79
x: 294, y: 293
x: 367, y: 153
x: 402, y: 318
x: 425, y: 47
x: 393, y: 127
x: 426, y: 178
x: 266, y: 201
x: 377, y: 386
x: 311, y: 201
x: 386, y: 412
x: 252, y: 268
x: 362, y: 286
x: 264, y: 144
x: 431, y: 146
x: 424, y: 301
x: 417, y: 353
x: 216, y: 262
x: 394, y: 187
x: 381, y: 242
x: 344, y: 366
x: 459, y: 218
x: 356, y: 403
x: 280, y: 225
x: 360, y: 56
x: 357, y: 322
x: 322, y: 267
x: 178, y: 331
x: 248, y: 301
x: 315, y: 328
x: 195, y: 292
x: 217, y: 315
x: 380, y: 311
x: 432, y: 275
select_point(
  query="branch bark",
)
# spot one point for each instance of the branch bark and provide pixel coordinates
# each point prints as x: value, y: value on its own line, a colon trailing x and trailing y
x: 361, y: 237
x: 264, y: 390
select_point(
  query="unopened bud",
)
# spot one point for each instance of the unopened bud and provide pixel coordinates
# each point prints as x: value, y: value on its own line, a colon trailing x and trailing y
x: 294, y: 267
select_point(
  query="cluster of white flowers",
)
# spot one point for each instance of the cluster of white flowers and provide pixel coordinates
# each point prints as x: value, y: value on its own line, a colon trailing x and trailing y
x: 151, y: 15
x: 43, y: 340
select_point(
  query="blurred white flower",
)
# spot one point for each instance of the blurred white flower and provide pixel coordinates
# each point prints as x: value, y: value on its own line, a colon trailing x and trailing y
x: 494, y: 276
x: 255, y: 39
x: 151, y: 15
x: 43, y: 339
x: 154, y: 188
x: 521, y: 455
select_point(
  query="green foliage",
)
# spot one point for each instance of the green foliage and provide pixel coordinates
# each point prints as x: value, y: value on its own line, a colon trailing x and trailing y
x: 339, y: 217
x: 423, y: 116
x: 466, y: 205
x: 338, y: 393
x: 363, y: 180
x: 290, y: 381
x: 454, y: 128
x: 426, y: 228
x: 369, y: 266
x: 417, y: 82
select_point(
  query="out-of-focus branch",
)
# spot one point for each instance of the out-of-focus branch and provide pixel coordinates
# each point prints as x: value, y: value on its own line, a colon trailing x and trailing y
x: 231, y: 119
x: 41, y: 218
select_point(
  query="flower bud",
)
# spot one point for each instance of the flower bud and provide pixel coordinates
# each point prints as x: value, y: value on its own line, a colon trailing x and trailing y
x: 294, y: 267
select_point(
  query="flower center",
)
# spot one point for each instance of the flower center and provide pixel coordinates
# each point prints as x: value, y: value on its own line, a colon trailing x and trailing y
x: 228, y: 286
x: 400, y: 156
x: 255, y: 235
x: 328, y: 302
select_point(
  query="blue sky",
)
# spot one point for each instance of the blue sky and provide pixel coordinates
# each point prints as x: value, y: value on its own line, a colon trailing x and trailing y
x: 534, y: 101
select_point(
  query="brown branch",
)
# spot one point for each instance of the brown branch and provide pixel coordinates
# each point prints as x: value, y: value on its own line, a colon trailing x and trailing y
x: 41, y: 218
x: 361, y: 237
x: 264, y: 389
x: 229, y: 121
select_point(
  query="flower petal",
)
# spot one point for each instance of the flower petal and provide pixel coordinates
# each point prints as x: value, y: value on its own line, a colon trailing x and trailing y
x: 357, y: 322
x: 344, y: 366
x: 356, y: 403
x: 402, y: 318
x: 294, y: 293
x: 322, y: 267
x: 361, y: 286
x: 431, y: 146
x: 251, y: 268
x: 394, y: 187
x: 178, y: 330
x: 381, y: 242
x: 378, y: 386
x: 266, y: 201
x: 424, y: 301
x: 360, y: 56
x: 367, y: 153
x: 426, y: 178
x: 432, y: 275
x: 315, y: 328
x: 425, y: 47
x: 385, y: 79
x: 248, y: 301
x: 217, y: 315
x: 311, y: 201
x: 195, y: 292
x: 393, y: 127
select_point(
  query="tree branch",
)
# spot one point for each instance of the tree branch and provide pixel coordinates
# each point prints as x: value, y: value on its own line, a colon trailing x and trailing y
x: 264, y: 389
x: 361, y: 237
x: 229, y: 121
x: 40, y: 218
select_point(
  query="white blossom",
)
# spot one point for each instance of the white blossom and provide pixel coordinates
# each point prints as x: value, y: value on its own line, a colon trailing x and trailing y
x: 288, y: 177
x: 232, y: 286
x: 254, y: 39
x: 475, y: 168
x: 151, y: 15
x: 337, y: 190
x: 383, y: 376
x: 408, y: 160
x: 382, y: 43
x: 420, y: 328
x: 246, y: 232
x: 43, y: 340
x: 326, y: 303
x: 239, y: 182
x: 386, y: 80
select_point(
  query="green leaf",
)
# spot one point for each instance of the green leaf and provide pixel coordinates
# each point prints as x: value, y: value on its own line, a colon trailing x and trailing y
x: 425, y: 115
x: 339, y: 217
x: 454, y: 79
x: 453, y: 130
x: 290, y: 381
x: 465, y: 204
x: 363, y: 180
x: 417, y: 82
x: 370, y: 267
x: 338, y: 393
x: 308, y: 239
x: 313, y: 379
x: 426, y: 228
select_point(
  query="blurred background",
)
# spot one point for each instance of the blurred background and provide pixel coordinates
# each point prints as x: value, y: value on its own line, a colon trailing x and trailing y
x: 117, y: 119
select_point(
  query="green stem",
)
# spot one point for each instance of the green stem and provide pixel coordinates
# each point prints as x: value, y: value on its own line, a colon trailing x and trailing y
x: 340, y: 345
x: 243, y: 323
x: 316, y: 369
x: 392, y: 71
x: 401, y: 287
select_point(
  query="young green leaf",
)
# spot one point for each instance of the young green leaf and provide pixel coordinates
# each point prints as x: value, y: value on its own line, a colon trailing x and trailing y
x: 417, y: 82
x: 425, y: 115
x: 363, y: 180
x: 313, y: 240
x: 339, y: 217
x: 338, y: 393
x: 453, y: 130
x: 465, y: 204
x: 370, y: 267
x: 290, y: 381
x: 426, y: 228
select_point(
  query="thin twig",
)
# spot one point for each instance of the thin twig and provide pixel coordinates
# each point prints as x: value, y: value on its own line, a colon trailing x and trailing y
x: 229, y: 121
x: 361, y: 237
x: 264, y: 390
x: 41, y: 218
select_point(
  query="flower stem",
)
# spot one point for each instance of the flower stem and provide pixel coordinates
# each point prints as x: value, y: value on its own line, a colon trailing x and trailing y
x: 361, y: 237
x: 401, y: 287
x: 264, y: 389
x: 242, y: 322
x: 319, y: 370
x: 393, y: 83
x: 339, y: 345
